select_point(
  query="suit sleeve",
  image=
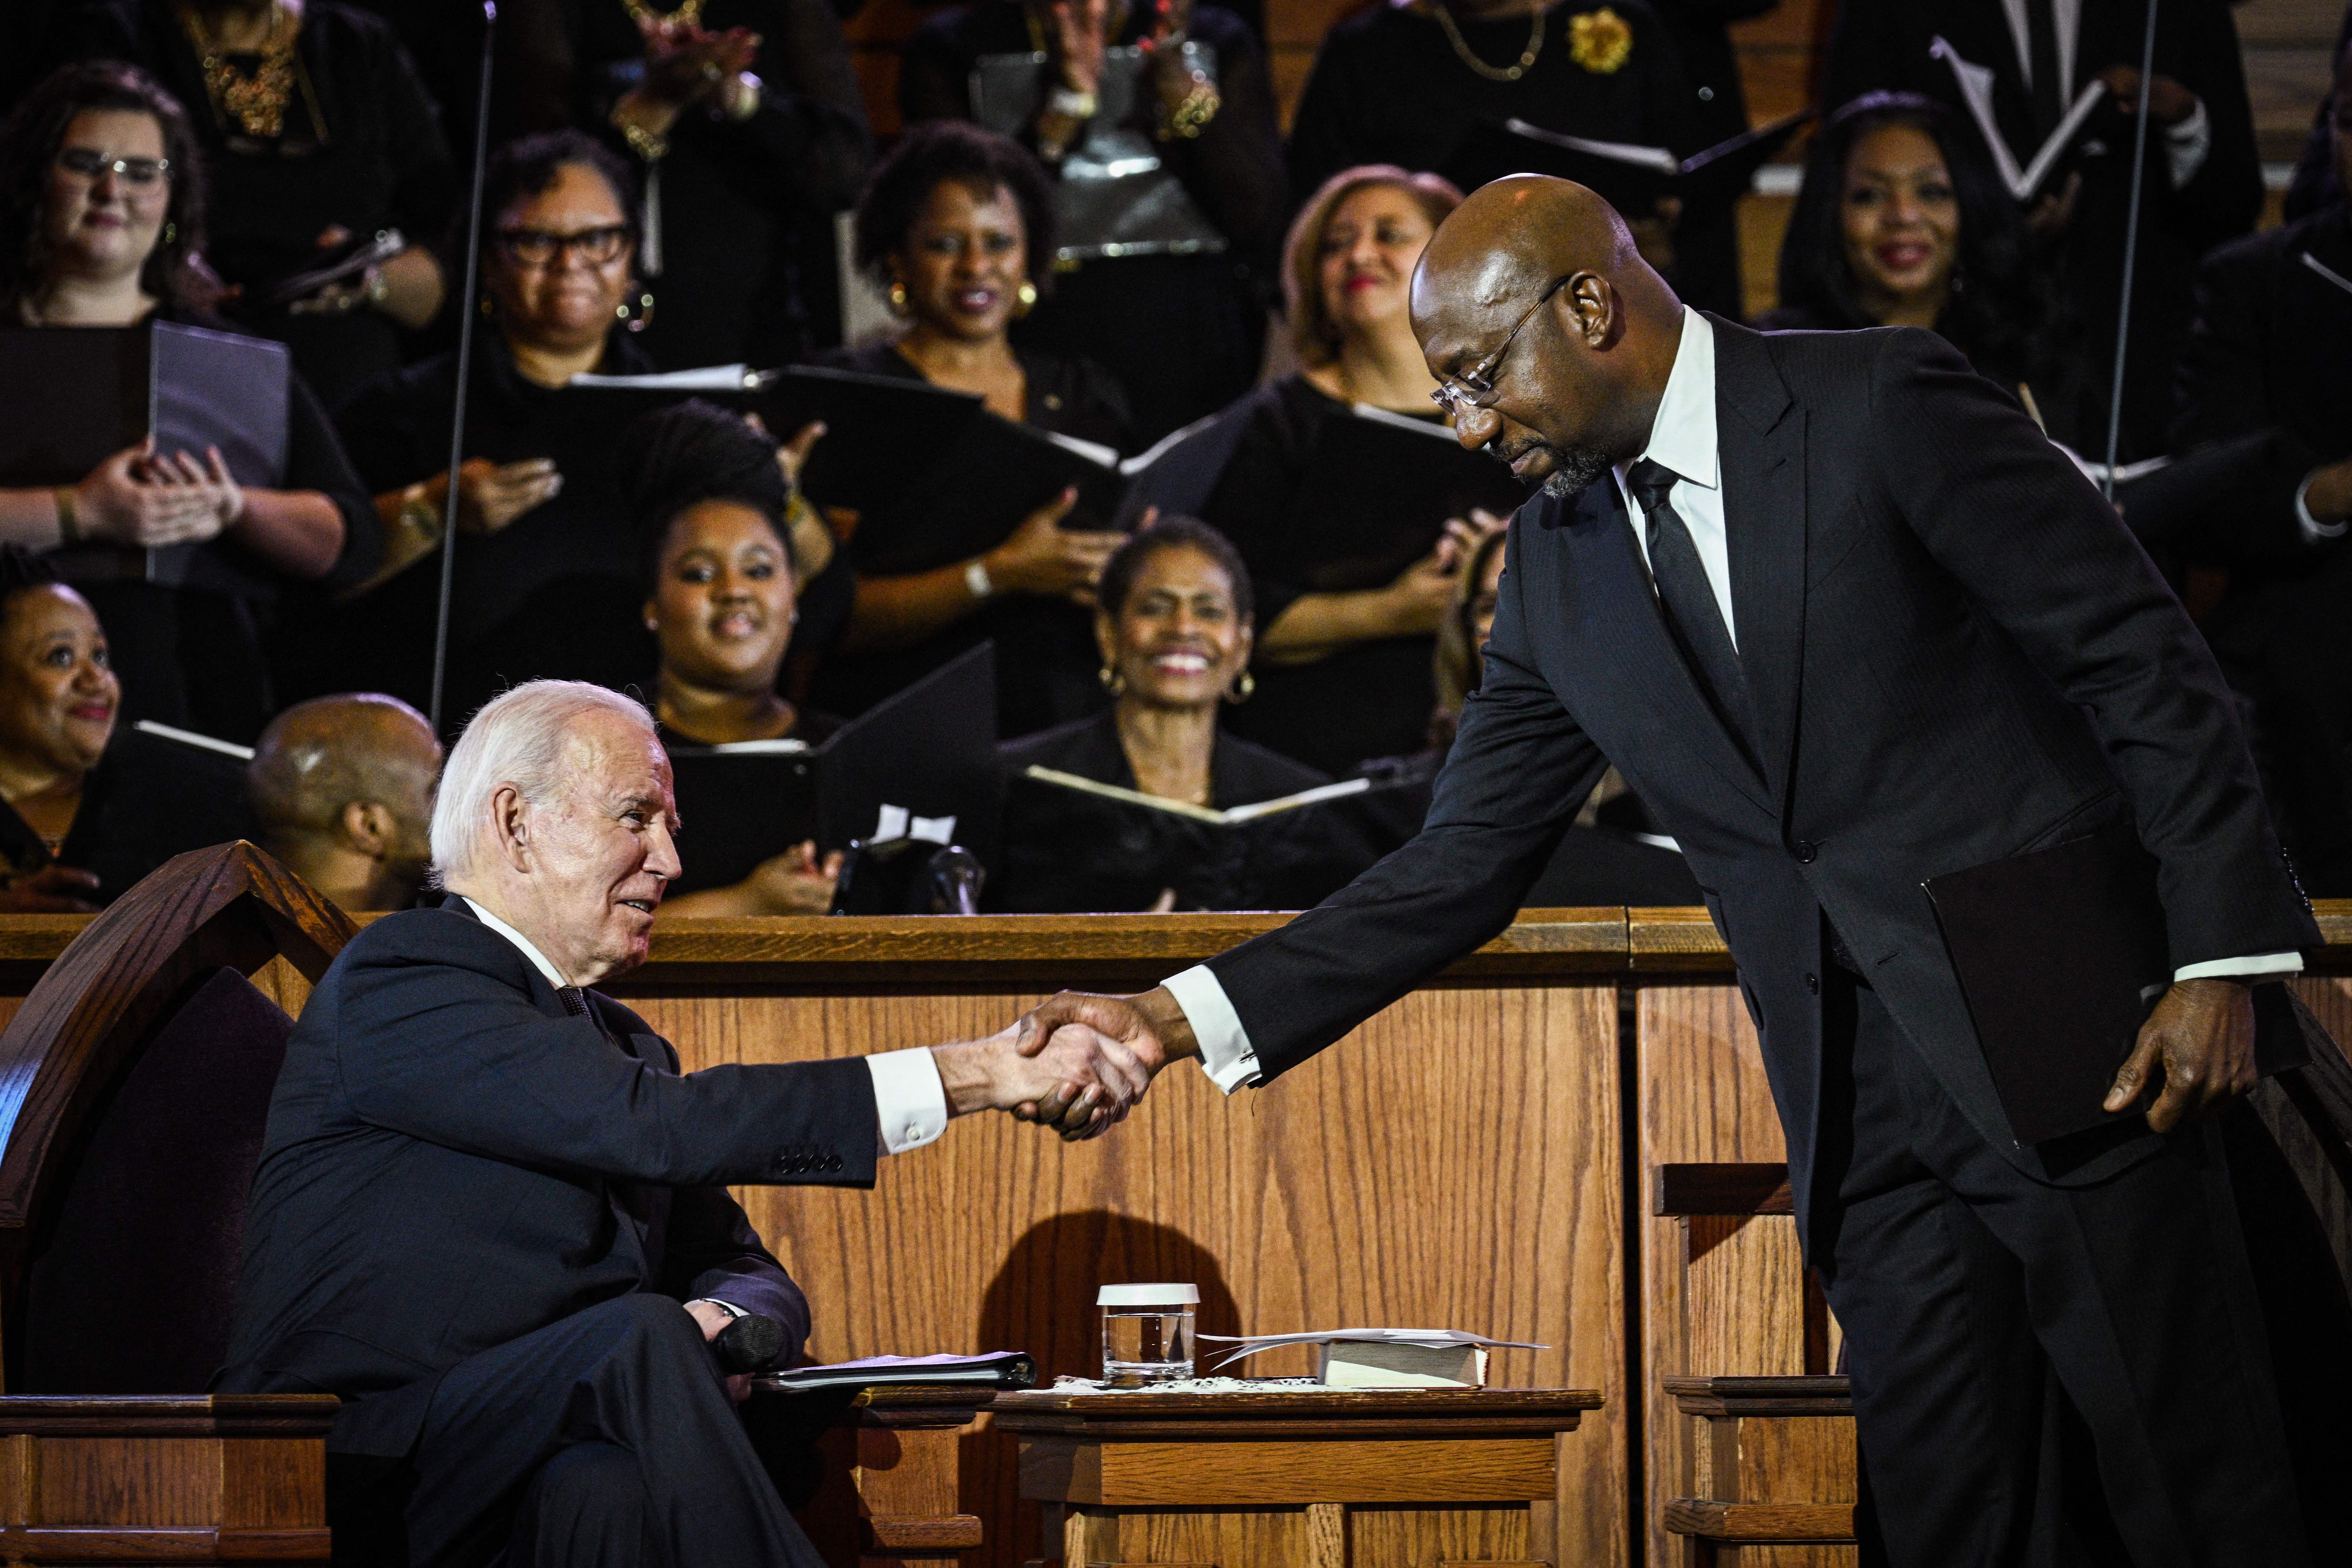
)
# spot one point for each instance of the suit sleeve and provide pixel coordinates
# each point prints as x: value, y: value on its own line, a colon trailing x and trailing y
x: 1520, y: 768
x: 712, y: 1251
x: 2048, y: 561
x: 456, y: 1056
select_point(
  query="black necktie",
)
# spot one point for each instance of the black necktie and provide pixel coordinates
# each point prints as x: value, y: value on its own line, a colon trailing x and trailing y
x: 1688, y: 600
x: 2042, y: 50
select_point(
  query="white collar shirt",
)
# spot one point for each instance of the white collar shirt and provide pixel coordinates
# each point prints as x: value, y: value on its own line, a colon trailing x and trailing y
x: 538, y: 958
x: 1683, y: 442
x: 2065, y: 24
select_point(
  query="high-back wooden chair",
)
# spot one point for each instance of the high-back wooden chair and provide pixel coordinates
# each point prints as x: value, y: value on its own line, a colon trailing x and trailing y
x: 134, y: 1085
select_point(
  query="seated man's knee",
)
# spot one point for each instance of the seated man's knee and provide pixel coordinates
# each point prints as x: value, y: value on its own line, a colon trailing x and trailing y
x: 585, y: 1509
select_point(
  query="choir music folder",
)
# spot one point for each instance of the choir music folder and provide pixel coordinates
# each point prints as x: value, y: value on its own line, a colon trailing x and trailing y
x: 881, y: 432
x: 1630, y: 177
x: 1077, y: 845
x: 1379, y: 491
x: 2061, y: 953
x: 1976, y: 85
x: 930, y: 749
x: 72, y: 397
x: 973, y: 495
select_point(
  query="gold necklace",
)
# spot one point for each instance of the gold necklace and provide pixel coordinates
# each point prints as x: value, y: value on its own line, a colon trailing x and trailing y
x: 1493, y: 73
x: 258, y: 101
x: 688, y: 15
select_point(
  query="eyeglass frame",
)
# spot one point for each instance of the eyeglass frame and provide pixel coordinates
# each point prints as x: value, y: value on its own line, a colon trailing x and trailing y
x: 1475, y: 387
x: 121, y: 168
x: 573, y: 243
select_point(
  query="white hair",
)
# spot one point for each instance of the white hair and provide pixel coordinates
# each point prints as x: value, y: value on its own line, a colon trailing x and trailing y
x: 516, y: 738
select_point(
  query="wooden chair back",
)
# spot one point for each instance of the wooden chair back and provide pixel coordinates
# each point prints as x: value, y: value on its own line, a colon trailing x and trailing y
x: 134, y: 1087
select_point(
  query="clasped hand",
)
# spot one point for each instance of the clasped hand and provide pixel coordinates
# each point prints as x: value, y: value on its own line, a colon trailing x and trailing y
x: 1059, y: 1070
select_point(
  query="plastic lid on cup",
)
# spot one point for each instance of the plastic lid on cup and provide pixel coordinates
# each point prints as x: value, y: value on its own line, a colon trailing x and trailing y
x: 1147, y: 1295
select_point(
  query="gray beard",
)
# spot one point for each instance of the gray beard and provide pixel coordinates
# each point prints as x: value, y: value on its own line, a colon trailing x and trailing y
x: 1574, y: 468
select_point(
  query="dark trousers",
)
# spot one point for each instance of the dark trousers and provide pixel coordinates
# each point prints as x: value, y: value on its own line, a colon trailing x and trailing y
x: 604, y: 1441
x: 2043, y: 1376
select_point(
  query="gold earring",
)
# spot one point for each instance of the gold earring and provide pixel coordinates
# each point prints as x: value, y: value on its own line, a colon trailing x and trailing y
x: 1024, y: 298
x: 1243, y: 689
x: 640, y: 315
x: 897, y: 298
x: 170, y: 231
x: 1113, y: 681
x: 485, y: 305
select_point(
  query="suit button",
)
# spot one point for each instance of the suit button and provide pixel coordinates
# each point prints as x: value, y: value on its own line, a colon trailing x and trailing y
x: 1813, y: 984
x: 1805, y: 850
x: 832, y: 1163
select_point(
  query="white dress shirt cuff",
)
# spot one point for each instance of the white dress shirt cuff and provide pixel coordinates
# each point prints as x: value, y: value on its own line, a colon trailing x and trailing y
x: 909, y: 1098
x: 1226, y: 1055
x: 2186, y: 145
x: 730, y: 1307
x: 2313, y: 530
x: 2263, y: 967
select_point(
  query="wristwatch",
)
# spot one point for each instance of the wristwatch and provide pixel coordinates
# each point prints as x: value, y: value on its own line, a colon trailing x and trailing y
x: 975, y: 577
x: 1071, y: 104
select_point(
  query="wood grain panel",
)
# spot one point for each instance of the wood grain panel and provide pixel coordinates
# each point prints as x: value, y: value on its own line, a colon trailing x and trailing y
x: 273, y: 1481
x: 1243, y: 1473
x: 1425, y: 1538
x: 1454, y: 1164
x: 129, y: 1480
x: 1801, y: 1458
x: 1744, y: 1297
x: 1702, y: 1098
x: 1273, y: 1538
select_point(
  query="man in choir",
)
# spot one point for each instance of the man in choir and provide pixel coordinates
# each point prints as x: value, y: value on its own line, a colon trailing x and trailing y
x: 2265, y: 372
x: 493, y: 1216
x: 344, y: 790
x: 1846, y: 621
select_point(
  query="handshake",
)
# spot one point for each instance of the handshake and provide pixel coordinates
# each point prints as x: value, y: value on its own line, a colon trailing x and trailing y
x: 1076, y: 1063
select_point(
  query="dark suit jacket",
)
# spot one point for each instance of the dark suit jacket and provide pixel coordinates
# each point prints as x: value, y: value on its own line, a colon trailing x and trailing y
x: 1955, y: 652
x: 1883, y: 45
x: 453, y: 1161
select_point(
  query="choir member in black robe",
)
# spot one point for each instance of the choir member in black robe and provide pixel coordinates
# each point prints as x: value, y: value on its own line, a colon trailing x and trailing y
x: 1173, y: 626
x: 1407, y: 85
x: 1342, y: 663
x: 317, y: 134
x: 1902, y: 222
x: 746, y: 120
x: 546, y: 580
x: 2202, y: 183
x: 1182, y: 331
x: 957, y: 223
x: 103, y: 217
x: 709, y: 505
x: 90, y: 806
x: 2264, y: 375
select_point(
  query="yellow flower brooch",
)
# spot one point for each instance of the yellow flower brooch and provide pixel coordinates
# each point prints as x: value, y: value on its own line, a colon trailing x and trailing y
x: 1600, y: 41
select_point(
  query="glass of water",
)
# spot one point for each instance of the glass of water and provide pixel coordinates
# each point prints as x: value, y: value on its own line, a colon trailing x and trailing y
x: 1147, y: 1332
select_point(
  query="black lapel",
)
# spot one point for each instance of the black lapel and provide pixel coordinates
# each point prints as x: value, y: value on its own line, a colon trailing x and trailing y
x: 1759, y: 442
x: 1615, y: 598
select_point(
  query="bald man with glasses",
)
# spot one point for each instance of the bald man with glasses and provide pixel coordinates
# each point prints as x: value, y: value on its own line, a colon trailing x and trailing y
x: 1847, y: 621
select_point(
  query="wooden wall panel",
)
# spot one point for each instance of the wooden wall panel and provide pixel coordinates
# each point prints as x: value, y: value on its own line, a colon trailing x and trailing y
x: 1702, y: 1098
x: 1455, y: 1164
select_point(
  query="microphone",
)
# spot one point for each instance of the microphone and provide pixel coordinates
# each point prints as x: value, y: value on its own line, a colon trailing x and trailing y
x: 956, y: 878
x: 751, y: 1343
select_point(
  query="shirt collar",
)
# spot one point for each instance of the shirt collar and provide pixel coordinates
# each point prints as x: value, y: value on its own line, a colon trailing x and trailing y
x: 538, y: 958
x: 1682, y: 438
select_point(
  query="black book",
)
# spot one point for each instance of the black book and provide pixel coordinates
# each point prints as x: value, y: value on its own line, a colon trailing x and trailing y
x: 2058, y: 149
x: 1000, y: 1368
x: 1629, y: 177
x: 1378, y: 490
x: 1074, y: 845
x: 882, y: 432
x: 2061, y: 954
x: 927, y: 753
x: 997, y: 471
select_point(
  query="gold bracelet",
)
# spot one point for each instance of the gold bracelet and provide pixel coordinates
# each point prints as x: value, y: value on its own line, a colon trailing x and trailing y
x: 68, y: 525
x: 1189, y: 117
x: 651, y: 146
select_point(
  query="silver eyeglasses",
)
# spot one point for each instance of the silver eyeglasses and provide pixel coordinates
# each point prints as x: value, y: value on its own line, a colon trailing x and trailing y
x: 1475, y: 387
x: 91, y: 164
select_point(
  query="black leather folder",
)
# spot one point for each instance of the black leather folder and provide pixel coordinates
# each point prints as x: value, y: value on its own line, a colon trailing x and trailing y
x: 2061, y: 954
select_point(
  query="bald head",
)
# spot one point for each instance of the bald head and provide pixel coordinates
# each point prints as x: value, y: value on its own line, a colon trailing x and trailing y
x: 1578, y: 386
x: 344, y: 787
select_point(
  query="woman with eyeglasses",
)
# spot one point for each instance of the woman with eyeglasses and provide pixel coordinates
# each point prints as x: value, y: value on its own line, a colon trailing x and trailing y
x: 1343, y: 674
x: 101, y: 218
x: 318, y: 138
x: 546, y: 581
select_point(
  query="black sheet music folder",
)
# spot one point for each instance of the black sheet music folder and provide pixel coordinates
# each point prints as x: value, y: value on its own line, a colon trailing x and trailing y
x: 2061, y: 953
x: 1630, y: 178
